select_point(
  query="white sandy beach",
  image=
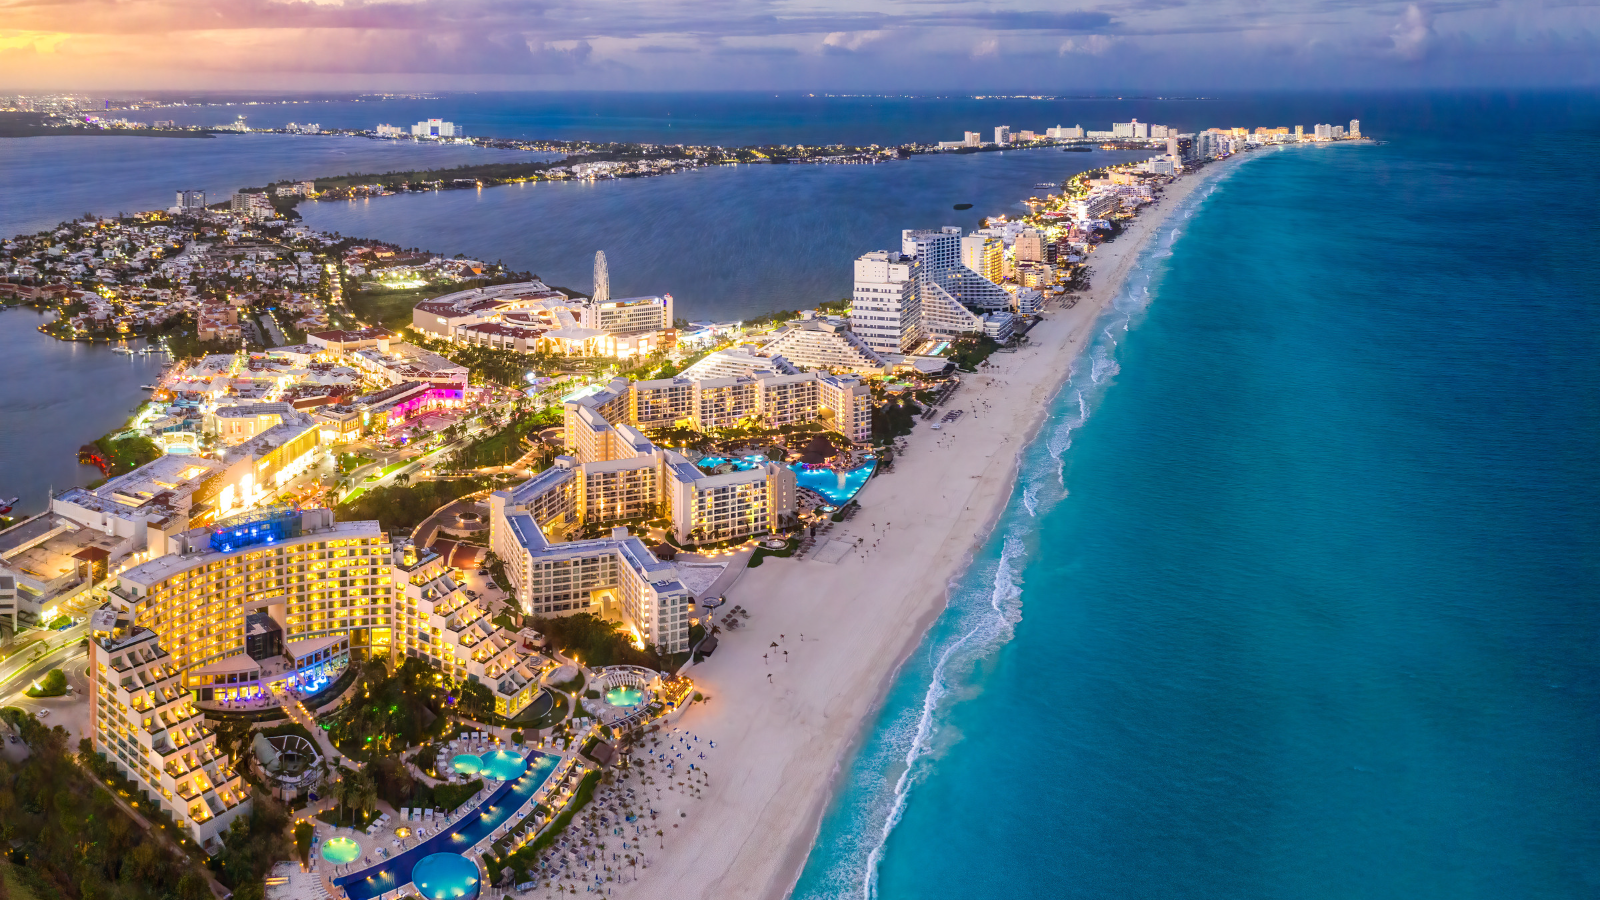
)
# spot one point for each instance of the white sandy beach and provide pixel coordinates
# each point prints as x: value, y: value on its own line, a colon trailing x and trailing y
x: 781, y: 744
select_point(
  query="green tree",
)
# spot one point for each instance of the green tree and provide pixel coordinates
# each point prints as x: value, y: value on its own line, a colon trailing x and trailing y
x: 474, y: 699
x: 192, y: 886
x: 365, y: 793
x: 53, y: 684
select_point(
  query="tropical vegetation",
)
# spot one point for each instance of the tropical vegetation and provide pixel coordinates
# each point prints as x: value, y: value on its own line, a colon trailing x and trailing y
x: 69, y: 840
x: 595, y: 641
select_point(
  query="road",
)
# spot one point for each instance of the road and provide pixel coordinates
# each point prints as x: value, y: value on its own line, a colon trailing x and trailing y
x: 270, y: 323
x: 70, y: 711
x: 24, y: 662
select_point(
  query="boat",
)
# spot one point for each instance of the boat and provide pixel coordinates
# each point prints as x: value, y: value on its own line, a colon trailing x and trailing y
x: 122, y: 350
x: 149, y: 387
x: 6, y: 505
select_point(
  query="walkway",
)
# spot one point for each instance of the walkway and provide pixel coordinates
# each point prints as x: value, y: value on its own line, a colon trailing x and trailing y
x: 428, y: 529
x: 300, y: 715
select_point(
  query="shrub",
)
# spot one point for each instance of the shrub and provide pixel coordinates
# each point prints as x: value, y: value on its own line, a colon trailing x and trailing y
x: 54, y: 684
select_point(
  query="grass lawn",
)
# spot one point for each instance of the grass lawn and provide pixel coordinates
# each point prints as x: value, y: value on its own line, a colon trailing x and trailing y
x: 349, y: 462
x: 391, y: 308
x: 53, y: 684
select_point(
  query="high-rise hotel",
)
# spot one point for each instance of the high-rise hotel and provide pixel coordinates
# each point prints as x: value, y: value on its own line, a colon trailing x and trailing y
x: 276, y: 596
x: 272, y: 600
x: 938, y: 286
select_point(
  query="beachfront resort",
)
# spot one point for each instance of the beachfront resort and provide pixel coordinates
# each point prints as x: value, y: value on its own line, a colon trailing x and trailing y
x: 427, y: 695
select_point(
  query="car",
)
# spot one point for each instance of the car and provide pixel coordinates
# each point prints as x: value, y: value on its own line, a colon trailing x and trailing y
x: 43, y: 713
x: 13, y: 739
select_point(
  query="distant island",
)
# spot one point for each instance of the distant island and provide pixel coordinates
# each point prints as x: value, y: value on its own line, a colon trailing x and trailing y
x: 27, y: 124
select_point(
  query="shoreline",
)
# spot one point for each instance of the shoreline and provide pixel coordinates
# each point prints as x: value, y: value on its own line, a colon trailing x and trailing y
x: 783, y: 745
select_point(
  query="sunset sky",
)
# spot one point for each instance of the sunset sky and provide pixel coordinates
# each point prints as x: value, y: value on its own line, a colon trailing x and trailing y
x: 874, y: 46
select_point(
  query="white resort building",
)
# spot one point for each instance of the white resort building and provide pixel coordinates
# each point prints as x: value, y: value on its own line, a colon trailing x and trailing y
x: 612, y: 473
x: 884, y: 308
x: 821, y: 342
x: 531, y: 317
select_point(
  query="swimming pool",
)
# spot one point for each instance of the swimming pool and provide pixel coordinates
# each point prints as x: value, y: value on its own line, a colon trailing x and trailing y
x: 445, y: 876
x: 823, y: 480
x: 828, y: 483
x: 340, y: 850
x: 482, y: 820
x: 467, y: 764
x: 741, y: 463
x: 624, y: 696
x: 502, y: 764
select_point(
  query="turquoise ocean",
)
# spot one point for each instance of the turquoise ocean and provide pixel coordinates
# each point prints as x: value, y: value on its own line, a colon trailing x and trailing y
x: 1296, y: 595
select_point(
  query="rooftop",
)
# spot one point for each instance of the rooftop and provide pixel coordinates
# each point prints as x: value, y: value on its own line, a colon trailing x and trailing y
x: 163, y: 567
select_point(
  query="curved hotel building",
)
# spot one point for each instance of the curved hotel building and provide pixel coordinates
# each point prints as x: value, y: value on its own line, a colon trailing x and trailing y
x: 269, y: 598
x: 269, y: 601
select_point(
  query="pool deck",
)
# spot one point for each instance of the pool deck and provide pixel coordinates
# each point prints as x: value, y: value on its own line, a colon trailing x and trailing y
x: 803, y: 471
x: 450, y: 840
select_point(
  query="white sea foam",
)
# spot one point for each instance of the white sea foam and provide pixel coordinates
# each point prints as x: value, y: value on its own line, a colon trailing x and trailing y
x: 984, y: 606
x: 987, y: 631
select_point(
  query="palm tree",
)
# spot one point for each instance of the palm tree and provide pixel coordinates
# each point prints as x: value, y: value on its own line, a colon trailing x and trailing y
x: 365, y: 793
x: 344, y: 791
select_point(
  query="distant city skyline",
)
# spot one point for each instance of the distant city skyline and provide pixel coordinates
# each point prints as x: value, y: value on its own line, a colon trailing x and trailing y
x: 781, y: 45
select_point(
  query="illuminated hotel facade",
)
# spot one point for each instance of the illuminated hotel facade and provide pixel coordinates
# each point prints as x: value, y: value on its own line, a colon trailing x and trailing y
x: 143, y: 720
x: 281, y: 598
x: 324, y: 585
x: 278, y: 597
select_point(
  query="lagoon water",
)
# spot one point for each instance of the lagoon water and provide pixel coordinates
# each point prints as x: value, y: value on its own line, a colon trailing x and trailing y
x: 46, y: 180
x: 54, y: 398
x: 725, y: 241
x: 1296, y: 597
